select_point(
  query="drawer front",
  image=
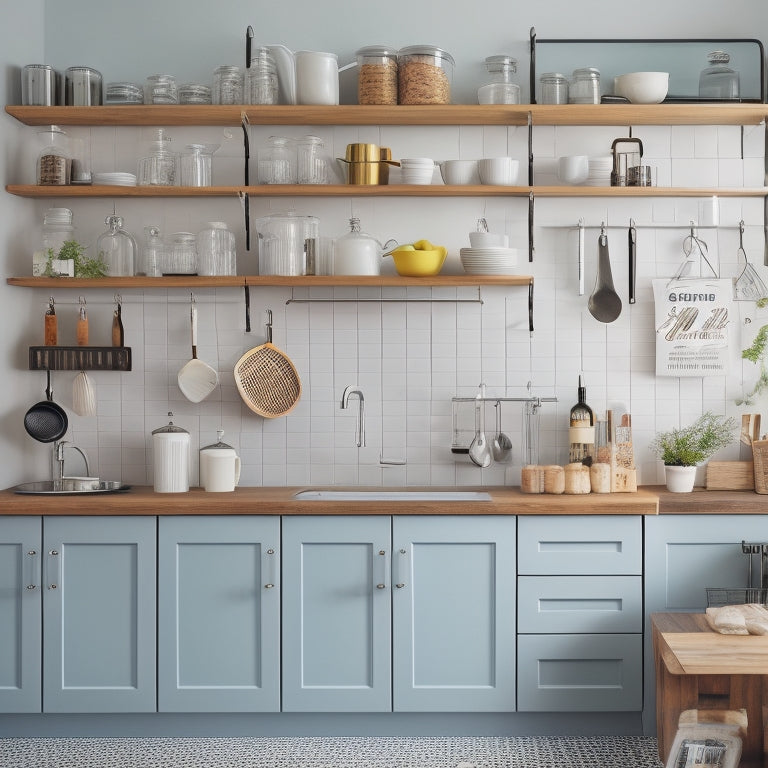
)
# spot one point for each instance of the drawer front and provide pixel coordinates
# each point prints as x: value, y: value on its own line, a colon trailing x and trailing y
x: 579, y: 545
x: 579, y: 673
x: 579, y: 604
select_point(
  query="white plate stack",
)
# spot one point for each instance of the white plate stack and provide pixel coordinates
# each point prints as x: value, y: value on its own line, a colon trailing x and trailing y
x: 115, y: 179
x: 599, y: 171
x: 489, y: 261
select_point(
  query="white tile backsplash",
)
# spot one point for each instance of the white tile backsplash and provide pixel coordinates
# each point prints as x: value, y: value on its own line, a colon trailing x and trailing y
x: 411, y: 357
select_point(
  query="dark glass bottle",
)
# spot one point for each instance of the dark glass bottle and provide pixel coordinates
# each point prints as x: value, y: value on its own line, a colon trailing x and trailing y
x: 581, y: 432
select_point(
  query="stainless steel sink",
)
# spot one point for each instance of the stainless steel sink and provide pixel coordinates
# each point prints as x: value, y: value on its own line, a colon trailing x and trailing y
x: 398, y: 495
x: 67, y: 487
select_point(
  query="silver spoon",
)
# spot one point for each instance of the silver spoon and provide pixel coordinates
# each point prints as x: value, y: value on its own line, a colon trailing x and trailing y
x: 479, y: 450
x: 501, y: 445
x: 604, y: 303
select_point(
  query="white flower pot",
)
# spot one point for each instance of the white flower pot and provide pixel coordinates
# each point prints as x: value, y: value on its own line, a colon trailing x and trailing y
x: 680, y: 479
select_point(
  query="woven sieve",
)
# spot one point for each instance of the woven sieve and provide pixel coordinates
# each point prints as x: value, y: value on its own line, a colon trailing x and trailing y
x: 267, y: 381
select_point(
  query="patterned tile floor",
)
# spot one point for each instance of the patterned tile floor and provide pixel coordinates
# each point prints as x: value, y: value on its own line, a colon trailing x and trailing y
x: 337, y: 752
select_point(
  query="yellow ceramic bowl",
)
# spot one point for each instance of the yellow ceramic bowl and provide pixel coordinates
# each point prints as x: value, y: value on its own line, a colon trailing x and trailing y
x: 415, y: 263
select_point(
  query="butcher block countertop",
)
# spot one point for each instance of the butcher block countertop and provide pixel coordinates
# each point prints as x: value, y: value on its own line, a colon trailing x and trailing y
x: 142, y: 500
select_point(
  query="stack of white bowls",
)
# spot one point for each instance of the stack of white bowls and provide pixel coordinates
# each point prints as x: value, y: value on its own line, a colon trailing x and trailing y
x: 489, y: 260
x: 417, y: 170
x: 599, y: 171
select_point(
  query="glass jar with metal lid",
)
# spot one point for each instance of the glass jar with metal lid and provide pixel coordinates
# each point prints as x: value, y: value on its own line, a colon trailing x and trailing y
x: 227, y: 85
x: 377, y: 75
x: 554, y: 88
x: 501, y: 89
x: 181, y: 255
x: 585, y: 86
x: 424, y: 75
x: 82, y: 87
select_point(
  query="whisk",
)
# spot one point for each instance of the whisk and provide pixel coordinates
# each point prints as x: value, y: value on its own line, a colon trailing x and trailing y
x: 748, y: 285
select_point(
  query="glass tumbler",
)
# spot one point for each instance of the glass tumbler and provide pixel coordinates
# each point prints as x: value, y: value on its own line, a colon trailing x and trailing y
x: 277, y: 161
x: 216, y: 250
x: 197, y: 165
x: 310, y: 163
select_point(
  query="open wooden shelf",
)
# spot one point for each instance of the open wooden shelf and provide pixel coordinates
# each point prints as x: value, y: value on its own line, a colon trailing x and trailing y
x: 240, y: 281
x: 354, y: 114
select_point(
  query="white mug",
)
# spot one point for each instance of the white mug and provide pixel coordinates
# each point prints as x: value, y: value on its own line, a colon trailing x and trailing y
x: 573, y: 169
x: 501, y: 171
x: 459, y: 171
x: 317, y: 78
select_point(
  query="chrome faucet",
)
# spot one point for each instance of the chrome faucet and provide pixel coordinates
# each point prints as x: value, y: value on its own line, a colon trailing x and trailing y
x: 353, y: 389
x: 58, y: 457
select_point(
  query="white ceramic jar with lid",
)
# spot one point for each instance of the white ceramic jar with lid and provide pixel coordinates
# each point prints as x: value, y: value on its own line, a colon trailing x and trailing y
x: 358, y: 253
x: 219, y: 466
x: 501, y: 89
x: 170, y: 458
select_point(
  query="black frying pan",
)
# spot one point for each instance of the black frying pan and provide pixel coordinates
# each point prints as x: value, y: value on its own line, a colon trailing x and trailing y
x: 46, y: 421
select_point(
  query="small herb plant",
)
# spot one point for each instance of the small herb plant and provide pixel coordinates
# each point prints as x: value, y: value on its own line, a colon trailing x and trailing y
x: 84, y: 266
x: 756, y: 354
x: 689, y: 446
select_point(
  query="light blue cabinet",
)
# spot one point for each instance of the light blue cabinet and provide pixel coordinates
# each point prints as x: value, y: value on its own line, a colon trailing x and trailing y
x: 685, y: 554
x: 453, y: 614
x: 405, y: 614
x: 20, y: 614
x: 99, y: 609
x: 580, y: 613
x: 336, y: 614
x: 219, y: 614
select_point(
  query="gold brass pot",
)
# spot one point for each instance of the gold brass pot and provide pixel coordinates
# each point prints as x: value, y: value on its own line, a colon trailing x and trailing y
x: 367, y: 164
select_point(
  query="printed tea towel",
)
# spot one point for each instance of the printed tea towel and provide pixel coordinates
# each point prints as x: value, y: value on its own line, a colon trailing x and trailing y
x: 694, y: 326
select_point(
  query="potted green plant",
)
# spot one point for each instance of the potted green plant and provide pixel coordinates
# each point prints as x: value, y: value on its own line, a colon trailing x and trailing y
x: 84, y: 266
x: 683, y: 449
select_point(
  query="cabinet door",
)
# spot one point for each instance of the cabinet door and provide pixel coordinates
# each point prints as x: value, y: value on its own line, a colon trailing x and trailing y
x: 99, y: 611
x: 336, y: 614
x: 218, y: 614
x: 20, y: 614
x: 580, y: 673
x: 568, y: 545
x: 454, y: 614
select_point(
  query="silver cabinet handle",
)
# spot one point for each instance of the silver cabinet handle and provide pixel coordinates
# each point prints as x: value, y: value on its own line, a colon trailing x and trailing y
x: 53, y: 584
x: 382, y: 583
x: 32, y: 569
x: 401, y: 568
x: 272, y: 569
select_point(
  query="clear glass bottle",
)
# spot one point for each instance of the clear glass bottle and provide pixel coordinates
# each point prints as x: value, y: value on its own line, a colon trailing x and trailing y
x: 501, y: 89
x: 216, y: 250
x: 718, y: 80
x: 180, y: 257
x: 554, y: 88
x: 56, y: 230
x: 152, y: 250
x: 277, y: 161
x: 227, y: 85
x: 160, y: 166
x: 584, y: 87
x: 54, y: 163
x: 581, y: 432
x: 117, y: 248
x: 261, y: 78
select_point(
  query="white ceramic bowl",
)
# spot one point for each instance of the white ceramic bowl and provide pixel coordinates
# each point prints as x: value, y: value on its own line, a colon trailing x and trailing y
x: 488, y: 240
x: 642, y: 87
x: 459, y: 171
x: 573, y: 169
x: 501, y: 171
x: 417, y: 170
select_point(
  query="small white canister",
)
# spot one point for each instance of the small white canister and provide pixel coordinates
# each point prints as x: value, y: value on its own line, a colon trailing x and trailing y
x: 170, y: 448
x: 219, y: 466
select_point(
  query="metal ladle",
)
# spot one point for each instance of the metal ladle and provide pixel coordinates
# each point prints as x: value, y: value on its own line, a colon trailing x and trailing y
x: 604, y: 304
x: 501, y: 445
x: 479, y: 450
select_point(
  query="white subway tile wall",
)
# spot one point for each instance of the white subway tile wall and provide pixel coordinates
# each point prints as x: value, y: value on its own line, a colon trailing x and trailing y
x: 411, y: 350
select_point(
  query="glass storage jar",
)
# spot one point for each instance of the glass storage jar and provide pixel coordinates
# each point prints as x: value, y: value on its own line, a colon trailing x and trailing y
x: 117, y: 248
x: 56, y: 230
x: 151, y: 257
x: 181, y: 255
x: 584, y: 87
x: 82, y: 87
x: 216, y: 250
x: 501, y: 89
x: 718, y: 80
x: 161, y: 89
x: 197, y: 165
x: 261, y: 78
x: 194, y: 93
x: 227, y: 85
x: 424, y: 75
x: 554, y: 88
x: 159, y: 167
x: 38, y: 85
x: 377, y: 75
x: 277, y: 161
x: 311, y: 166
x: 54, y: 163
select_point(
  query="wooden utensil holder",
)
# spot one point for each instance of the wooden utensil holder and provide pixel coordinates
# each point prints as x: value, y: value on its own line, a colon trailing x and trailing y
x: 760, y: 460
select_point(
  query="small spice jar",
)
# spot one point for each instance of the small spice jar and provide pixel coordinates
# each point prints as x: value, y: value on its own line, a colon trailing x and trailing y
x: 585, y: 86
x: 377, y: 75
x: 424, y: 75
x: 54, y: 163
x: 554, y: 88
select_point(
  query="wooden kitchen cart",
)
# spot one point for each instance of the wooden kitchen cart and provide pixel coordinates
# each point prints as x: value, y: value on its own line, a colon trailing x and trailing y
x: 698, y: 668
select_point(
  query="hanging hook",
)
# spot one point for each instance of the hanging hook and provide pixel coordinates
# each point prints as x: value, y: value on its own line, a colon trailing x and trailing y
x: 269, y: 325
x: 118, y: 299
x: 192, y: 298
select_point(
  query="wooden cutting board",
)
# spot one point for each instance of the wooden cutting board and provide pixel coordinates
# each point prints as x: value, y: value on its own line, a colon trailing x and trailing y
x: 730, y: 476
